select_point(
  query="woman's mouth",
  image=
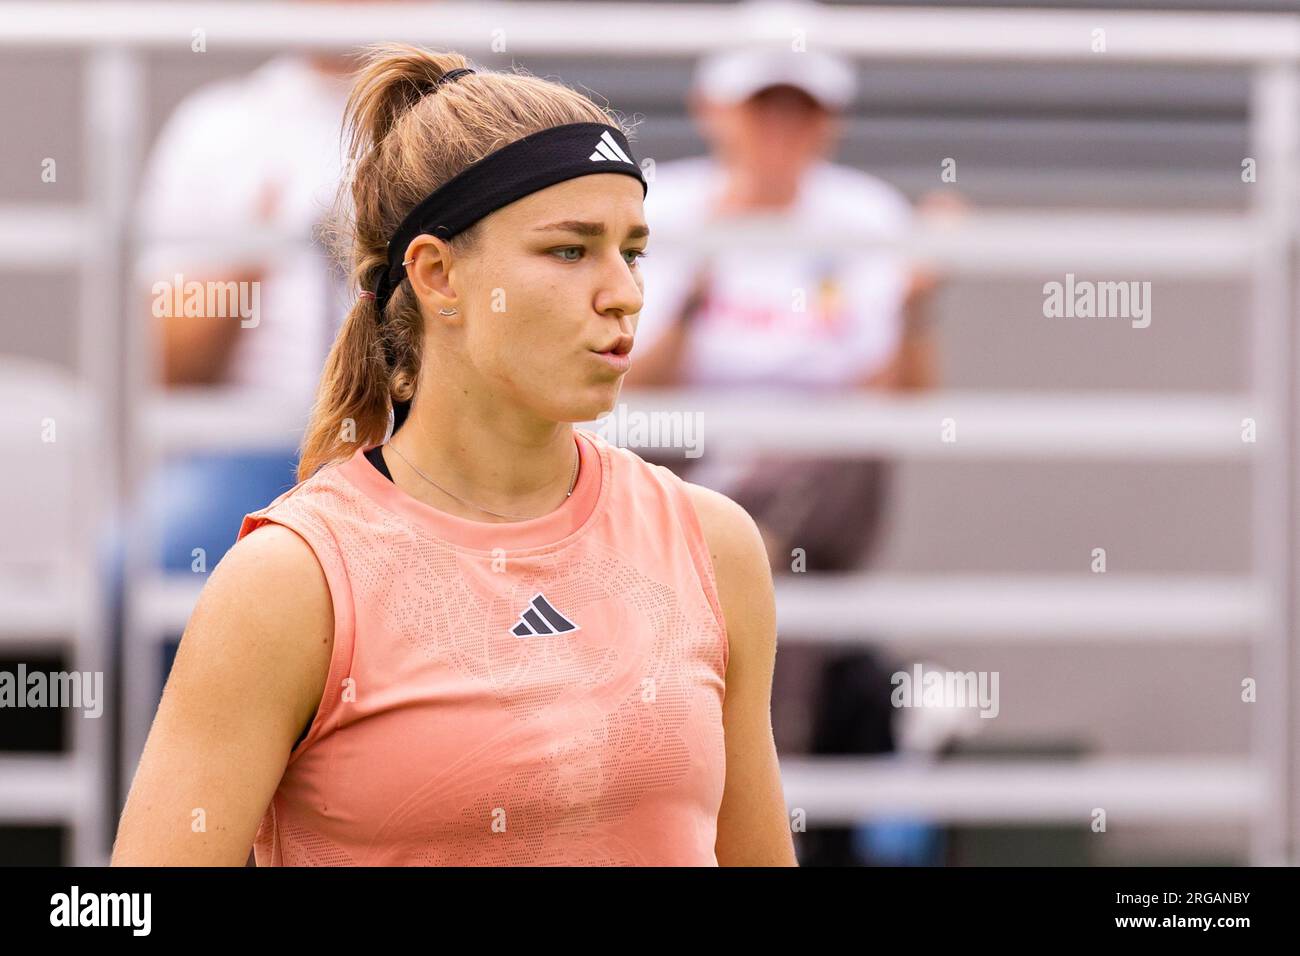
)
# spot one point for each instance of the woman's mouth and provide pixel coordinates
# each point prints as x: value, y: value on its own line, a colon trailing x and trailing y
x: 619, y: 361
x: 618, y: 354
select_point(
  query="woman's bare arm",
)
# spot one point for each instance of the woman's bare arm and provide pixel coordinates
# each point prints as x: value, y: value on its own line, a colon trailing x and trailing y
x: 249, y: 674
x: 753, y: 829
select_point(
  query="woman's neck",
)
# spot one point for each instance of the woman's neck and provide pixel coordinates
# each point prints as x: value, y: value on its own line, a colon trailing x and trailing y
x: 473, y: 467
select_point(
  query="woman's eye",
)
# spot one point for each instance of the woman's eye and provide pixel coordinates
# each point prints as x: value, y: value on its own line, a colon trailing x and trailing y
x: 631, y: 255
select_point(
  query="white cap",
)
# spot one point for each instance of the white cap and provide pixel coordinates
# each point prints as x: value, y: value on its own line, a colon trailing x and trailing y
x: 736, y: 75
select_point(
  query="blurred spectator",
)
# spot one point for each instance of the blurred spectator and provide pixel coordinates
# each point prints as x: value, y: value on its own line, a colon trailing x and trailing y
x: 254, y: 155
x: 791, y: 318
x: 783, y: 316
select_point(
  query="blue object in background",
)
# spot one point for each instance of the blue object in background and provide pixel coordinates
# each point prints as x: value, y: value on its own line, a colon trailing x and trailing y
x: 899, y: 841
x: 199, y: 500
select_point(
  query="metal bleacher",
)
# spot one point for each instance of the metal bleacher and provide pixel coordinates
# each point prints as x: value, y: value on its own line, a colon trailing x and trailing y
x: 52, y: 593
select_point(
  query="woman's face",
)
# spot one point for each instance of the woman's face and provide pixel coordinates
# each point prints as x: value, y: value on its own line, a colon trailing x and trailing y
x: 552, y: 282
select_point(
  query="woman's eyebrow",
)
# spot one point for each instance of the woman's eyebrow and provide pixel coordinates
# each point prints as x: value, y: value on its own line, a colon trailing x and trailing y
x: 592, y: 228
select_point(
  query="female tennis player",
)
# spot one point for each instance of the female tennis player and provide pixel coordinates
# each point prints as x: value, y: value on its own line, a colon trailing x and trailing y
x: 473, y: 634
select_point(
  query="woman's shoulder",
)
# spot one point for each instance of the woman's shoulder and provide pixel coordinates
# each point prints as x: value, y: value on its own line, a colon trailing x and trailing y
x: 294, y: 541
x: 724, y: 517
x: 734, y: 541
x: 732, y: 534
x: 276, y: 562
x: 276, y: 556
x: 267, y: 601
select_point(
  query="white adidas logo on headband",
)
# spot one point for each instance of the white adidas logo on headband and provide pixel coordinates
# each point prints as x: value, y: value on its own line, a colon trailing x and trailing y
x: 607, y: 148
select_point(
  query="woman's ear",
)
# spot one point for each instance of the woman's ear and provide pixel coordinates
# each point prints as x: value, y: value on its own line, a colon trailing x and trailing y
x: 429, y: 270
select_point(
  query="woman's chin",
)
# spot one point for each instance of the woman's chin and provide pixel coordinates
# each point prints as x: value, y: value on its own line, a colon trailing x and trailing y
x: 595, y: 403
x: 585, y: 403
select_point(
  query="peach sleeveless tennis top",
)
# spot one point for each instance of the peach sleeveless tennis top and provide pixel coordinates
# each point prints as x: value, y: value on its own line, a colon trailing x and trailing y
x: 542, y: 692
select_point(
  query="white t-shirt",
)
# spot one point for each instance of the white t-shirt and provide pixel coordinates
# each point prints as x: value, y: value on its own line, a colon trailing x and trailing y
x: 782, y: 317
x: 260, y: 151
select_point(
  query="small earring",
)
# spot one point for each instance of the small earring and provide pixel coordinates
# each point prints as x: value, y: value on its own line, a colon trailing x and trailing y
x: 409, y: 261
x: 446, y: 311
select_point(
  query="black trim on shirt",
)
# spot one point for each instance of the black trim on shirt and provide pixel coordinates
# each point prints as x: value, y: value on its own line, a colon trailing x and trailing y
x: 375, y: 457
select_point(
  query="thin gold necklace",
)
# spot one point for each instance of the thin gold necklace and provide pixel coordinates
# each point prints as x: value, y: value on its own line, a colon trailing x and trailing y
x: 572, y: 484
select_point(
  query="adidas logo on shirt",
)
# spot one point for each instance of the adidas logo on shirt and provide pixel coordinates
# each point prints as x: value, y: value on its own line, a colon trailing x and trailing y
x: 607, y: 148
x: 540, y: 618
